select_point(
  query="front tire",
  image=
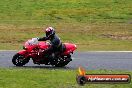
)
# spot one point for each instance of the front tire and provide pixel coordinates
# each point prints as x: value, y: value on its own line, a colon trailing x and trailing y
x: 19, y: 60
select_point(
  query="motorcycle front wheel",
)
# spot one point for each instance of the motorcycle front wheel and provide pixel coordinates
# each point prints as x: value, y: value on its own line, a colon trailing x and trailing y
x: 19, y: 60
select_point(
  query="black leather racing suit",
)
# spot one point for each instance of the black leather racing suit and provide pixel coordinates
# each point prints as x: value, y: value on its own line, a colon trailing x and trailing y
x: 56, y: 44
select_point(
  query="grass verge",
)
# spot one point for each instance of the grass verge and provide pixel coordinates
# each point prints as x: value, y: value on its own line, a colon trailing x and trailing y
x: 91, y: 24
x: 51, y: 78
x: 96, y: 36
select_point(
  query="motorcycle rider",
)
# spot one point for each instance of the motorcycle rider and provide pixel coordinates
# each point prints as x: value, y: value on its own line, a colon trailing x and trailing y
x: 55, y: 41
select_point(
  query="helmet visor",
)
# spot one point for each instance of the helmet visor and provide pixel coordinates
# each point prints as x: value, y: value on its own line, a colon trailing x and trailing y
x: 47, y: 33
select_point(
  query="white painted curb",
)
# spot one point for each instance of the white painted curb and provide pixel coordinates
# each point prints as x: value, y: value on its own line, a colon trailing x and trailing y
x: 109, y: 51
x: 8, y: 50
x: 85, y: 51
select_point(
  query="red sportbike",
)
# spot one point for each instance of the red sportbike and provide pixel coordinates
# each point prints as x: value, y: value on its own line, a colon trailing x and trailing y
x: 36, y: 51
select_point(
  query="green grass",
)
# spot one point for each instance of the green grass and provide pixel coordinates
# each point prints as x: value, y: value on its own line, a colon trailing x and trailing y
x: 51, y: 78
x: 91, y: 24
x: 87, y: 36
x: 53, y: 11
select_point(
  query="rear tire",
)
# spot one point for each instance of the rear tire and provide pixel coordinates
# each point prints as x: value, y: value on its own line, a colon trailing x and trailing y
x: 63, y: 61
x: 62, y: 64
x: 19, y: 60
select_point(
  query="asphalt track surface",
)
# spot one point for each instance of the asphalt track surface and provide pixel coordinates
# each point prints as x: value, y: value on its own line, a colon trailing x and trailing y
x: 88, y: 60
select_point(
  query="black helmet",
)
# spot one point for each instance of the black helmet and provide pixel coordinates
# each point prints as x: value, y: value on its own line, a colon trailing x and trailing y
x: 50, y: 32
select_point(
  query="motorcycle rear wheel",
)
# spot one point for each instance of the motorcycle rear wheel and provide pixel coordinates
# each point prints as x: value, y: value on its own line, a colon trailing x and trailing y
x: 63, y: 62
